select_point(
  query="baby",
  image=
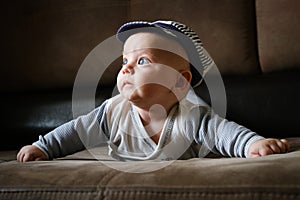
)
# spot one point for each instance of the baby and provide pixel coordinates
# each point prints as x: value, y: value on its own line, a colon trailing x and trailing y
x: 157, y: 115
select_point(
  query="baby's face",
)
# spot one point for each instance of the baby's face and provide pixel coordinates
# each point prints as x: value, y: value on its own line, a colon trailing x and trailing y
x: 150, y: 69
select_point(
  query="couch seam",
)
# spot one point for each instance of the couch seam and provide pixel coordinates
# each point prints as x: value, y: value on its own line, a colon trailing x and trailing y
x: 256, y: 44
x: 193, y: 194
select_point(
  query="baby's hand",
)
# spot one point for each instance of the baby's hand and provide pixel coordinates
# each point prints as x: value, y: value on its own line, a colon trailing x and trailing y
x: 268, y: 146
x: 31, y: 153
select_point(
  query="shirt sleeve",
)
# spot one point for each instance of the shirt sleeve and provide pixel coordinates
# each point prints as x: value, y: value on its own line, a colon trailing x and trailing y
x: 218, y: 135
x: 85, y: 132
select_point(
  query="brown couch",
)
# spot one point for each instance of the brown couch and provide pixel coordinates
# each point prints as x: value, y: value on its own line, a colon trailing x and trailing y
x: 255, y: 45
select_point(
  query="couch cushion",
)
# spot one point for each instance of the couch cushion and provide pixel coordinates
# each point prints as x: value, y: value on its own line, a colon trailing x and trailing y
x: 82, y: 177
x: 278, y: 34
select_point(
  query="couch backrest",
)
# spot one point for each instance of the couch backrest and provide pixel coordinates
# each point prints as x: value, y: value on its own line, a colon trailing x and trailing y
x: 227, y: 28
x: 45, y: 42
x: 278, y: 34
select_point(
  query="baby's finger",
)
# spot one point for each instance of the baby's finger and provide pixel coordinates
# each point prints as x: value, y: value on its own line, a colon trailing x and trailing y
x: 19, y: 156
x: 283, y: 146
x: 22, y: 156
x: 27, y: 157
x: 265, y: 151
x: 275, y: 147
x: 286, y: 144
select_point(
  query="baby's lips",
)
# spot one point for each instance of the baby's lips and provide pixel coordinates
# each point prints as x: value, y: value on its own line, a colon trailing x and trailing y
x: 127, y: 83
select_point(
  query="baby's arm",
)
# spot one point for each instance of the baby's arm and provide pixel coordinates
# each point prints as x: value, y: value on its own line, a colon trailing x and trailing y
x: 31, y: 153
x: 234, y: 140
x: 61, y: 141
x: 71, y: 137
x: 268, y: 146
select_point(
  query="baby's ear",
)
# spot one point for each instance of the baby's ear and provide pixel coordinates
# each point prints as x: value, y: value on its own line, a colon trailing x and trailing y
x: 184, y: 79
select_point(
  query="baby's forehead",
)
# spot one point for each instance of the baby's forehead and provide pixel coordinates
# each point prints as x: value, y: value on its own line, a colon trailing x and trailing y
x: 153, y: 42
x: 148, y: 51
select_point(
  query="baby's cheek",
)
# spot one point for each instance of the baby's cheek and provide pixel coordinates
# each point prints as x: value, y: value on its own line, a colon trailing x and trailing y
x: 119, y: 82
x: 162, y: 79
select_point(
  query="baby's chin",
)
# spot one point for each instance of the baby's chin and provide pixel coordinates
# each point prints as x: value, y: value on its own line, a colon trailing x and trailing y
x: 130, y: 96
x: 137, y: 100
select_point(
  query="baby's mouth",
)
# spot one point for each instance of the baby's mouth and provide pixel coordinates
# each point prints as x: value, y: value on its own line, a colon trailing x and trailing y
x: 127, y: 83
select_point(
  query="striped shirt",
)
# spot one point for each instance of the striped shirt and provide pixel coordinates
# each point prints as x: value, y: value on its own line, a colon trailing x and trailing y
x: 191, y: 130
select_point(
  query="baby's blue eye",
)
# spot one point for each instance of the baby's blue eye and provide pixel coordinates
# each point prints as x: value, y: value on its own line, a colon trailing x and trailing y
x: 125, y: 61
x: 143, y: 61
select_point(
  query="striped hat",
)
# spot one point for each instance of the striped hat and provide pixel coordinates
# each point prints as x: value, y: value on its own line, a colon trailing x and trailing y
x: 199, y: 59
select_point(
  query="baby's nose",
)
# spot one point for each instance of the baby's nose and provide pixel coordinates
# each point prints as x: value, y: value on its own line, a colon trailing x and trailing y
x: 128, y: 68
